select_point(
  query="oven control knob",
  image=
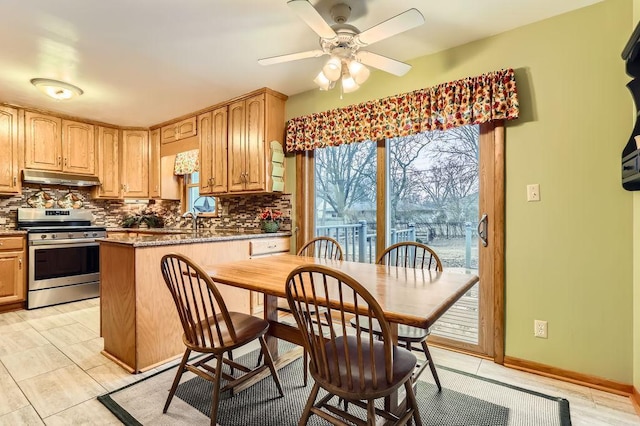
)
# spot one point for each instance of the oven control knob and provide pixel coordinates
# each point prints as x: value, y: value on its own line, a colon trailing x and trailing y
x: 86, y: 234
x: 95, y: 234
x: 53, y: 235
x: 43, y: 236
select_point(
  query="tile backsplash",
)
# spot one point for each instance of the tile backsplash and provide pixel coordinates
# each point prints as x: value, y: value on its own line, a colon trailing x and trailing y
x: 234, y: 213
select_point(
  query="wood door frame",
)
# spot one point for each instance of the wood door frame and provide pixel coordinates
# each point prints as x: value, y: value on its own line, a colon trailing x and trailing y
x: 492, y: 202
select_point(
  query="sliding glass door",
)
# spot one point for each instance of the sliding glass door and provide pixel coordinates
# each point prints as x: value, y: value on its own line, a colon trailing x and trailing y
x: 433, y: 188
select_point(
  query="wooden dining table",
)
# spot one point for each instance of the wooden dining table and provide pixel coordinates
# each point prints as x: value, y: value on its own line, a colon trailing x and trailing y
x: 414, y: 297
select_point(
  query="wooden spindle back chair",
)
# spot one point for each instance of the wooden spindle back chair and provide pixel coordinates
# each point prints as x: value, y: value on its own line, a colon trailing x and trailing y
x: 410, y: 254
x: 210, y: 328
x: 322, y: 247
x: 357, y: 367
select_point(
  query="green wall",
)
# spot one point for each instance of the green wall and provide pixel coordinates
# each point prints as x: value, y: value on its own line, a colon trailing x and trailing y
x: 569, y: 257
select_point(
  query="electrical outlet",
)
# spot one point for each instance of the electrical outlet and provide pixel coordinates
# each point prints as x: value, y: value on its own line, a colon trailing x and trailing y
x: 533, y: 192
x: 540, y: 329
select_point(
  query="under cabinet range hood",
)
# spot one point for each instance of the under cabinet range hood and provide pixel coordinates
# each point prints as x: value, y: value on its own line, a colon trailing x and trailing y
x: 56, y: 178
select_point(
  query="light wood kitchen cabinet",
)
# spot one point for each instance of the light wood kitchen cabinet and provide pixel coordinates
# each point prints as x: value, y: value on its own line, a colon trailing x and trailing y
x: 134, y: 164
x: 213, y: 151
x: 78, y: 148
x: 43, y: 147
x: 12, y: 270
x: 154, y: 164
x: 10, y: 149
x: 265, y: 247
x: 59, y: 145
x: 108, y: 163
x: 180, y: 130
x: 253, y: 123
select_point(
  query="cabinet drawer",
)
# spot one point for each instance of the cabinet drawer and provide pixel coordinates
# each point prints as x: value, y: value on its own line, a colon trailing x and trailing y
x: 268, y: 246
x: 11, y: 243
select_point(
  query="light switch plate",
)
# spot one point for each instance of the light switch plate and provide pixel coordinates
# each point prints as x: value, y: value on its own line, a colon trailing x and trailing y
x: 533, y: 192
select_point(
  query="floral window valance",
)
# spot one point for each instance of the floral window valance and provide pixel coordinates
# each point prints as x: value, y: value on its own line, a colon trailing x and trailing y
x: 473, y: 100
x: 186, y: 162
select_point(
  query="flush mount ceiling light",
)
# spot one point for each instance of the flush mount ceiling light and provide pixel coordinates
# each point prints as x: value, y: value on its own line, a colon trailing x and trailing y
x: 343, y: 43
x: 56, y: 89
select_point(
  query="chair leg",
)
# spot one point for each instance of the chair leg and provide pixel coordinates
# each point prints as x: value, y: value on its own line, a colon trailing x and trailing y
x: 259, y: 359
x: 176, y: 380
x: 306, y: 413
x: 305, y: 367
x: 432, y: 366
x: 269, y: 362
x: 215, y: 398
x: 411, y: 400
x: 371, y: 412
x: 230, y: 354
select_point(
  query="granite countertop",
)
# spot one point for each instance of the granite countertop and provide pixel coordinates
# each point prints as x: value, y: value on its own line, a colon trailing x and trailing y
x: 11, y: 232
x: 170, y: 237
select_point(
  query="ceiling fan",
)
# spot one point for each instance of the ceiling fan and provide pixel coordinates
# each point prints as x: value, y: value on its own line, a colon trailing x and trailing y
x: 343, y: 43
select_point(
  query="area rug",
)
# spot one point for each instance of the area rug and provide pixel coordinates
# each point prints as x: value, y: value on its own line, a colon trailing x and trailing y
x: 465, y: 400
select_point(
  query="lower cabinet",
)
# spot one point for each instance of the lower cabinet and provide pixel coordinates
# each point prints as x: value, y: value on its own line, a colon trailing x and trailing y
x: 12, y: 270
x: 260, y: 248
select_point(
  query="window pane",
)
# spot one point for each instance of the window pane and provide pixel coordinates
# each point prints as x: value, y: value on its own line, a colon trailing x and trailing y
x: 192, y: 194
x: 195, y: 177
x: 345, y: 198
x: 433, y: 194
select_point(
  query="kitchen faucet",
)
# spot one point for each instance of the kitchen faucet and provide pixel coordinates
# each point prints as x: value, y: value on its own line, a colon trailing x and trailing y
x: 194, y: 219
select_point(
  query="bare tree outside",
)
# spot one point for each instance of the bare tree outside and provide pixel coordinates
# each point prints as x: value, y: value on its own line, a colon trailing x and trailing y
x: 345, y: 179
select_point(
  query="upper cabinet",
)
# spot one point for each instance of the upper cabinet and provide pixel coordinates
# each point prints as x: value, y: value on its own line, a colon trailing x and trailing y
x: 107, y: 164
x: 154, y: 164
x: 253, y: 123
x: 59, y: 145
x: 134, y: 164
x: 78, y: 148
x: 213, y: 151
x: 180, y: 130
x: 10, y: 148
x: 43, y: 148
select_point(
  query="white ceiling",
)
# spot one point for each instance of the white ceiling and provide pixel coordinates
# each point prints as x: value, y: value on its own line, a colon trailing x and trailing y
x: 142, y: 62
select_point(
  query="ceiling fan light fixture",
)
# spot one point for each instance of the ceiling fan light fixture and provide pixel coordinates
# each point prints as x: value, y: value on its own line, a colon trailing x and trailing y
x: 322, y: 81
x: 333, y: 69
x: 359, y: 72
x: 58, y: 90
x: 349, y: 84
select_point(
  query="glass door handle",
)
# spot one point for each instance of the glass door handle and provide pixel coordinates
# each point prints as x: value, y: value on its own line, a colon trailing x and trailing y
x: 482, y: 230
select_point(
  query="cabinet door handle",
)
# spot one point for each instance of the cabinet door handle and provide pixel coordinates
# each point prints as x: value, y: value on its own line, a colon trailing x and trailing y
x: 15, y: 181
x: 65, y: 161
x: 59, y: 160
x: 1, y: 243
x: 20, y: 263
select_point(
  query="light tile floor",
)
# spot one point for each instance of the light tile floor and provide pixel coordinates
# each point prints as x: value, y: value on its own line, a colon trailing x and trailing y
x: 51, y: 371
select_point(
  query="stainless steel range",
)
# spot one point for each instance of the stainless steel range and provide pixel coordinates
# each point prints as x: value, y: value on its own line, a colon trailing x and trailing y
x: 64, y: 257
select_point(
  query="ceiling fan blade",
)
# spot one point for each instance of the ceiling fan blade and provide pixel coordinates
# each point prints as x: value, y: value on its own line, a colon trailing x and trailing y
x: 312, y: 18
x: 400, y: 23
x: 291, y: 57
x: 383, y: 63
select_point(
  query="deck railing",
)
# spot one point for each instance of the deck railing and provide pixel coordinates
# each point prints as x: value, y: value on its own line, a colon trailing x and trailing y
x: 357, y: 243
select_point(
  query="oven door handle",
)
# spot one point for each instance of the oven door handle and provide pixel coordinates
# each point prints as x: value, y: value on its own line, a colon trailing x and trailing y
x: 60, y: 244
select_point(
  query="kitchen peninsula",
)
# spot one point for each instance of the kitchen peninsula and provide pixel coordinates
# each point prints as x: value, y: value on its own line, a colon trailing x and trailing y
x: 139, y: 322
